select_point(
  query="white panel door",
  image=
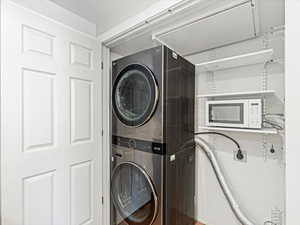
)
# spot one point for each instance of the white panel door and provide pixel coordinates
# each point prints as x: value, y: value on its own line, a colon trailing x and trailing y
x: 50, y: 123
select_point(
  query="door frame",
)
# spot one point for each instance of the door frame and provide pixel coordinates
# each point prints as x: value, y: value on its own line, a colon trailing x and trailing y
x: 106, y: 132
x: 292, y: 110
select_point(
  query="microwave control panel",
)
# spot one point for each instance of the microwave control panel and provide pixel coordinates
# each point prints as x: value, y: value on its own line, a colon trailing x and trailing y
x: 255, y: 113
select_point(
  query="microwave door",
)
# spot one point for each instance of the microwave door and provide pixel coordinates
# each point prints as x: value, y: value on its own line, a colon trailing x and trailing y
x: 227, y: 115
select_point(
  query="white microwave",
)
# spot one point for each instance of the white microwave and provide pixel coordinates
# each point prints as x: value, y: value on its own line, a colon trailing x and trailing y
x: 244, y: 113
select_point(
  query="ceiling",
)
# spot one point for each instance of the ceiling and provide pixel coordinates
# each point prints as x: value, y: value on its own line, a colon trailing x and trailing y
x: 105, y: 13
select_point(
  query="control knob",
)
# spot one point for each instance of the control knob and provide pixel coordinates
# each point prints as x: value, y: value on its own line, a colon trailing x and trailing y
x: 132, y: 143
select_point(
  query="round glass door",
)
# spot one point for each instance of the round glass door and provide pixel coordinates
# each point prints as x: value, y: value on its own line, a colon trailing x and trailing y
x: 134, y: 95
x: 133, y: 195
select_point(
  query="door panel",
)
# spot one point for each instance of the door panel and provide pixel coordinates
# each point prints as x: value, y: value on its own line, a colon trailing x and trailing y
x: 81, y: 193
x: 37, y: 41
x: 81, y: 110
x: 50, y: 123
x: 38, y: 197
x: 80, y: 55
x: 38, y: 108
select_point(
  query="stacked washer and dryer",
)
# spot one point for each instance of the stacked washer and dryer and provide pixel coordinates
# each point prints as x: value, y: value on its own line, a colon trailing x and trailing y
x: 153, y: 152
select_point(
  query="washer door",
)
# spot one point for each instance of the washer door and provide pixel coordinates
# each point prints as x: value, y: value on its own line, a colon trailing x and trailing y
x: 135, y: 95
x: 133, y: 194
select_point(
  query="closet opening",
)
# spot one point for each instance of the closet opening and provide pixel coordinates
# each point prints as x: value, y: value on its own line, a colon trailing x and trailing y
x: 237, y: 48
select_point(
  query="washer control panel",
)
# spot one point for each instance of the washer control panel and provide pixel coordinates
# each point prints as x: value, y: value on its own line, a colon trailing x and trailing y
x: 146, y: 146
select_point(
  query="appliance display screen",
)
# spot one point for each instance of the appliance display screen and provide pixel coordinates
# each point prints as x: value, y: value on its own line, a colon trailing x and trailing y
x: 226, y: 113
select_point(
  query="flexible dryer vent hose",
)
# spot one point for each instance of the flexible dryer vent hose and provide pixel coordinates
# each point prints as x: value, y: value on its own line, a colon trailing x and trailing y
x: 203, y: 145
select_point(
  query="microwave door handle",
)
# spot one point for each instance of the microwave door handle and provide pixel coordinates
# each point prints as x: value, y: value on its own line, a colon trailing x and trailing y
x: 210, y: 115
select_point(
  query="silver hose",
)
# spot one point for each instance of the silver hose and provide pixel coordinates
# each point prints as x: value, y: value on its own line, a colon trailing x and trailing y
x: 221, y: 179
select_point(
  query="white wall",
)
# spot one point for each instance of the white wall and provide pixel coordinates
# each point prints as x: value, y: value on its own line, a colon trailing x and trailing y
x: 258, y: 184
x: 292, y: 110
x: 59, y: 14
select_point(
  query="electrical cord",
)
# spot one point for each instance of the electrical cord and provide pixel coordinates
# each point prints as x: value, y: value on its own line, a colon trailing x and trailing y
x: 273, y: 124
x: 274, y: 114
x: 227, y: 192
x: 239, y: 154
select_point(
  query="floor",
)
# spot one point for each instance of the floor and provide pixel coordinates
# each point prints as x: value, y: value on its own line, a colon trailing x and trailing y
x: 198, y: 223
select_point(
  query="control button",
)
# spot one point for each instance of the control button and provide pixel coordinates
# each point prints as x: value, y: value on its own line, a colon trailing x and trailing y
x: 172, y: 158
x: 131, y: 143
x: 156, y: 148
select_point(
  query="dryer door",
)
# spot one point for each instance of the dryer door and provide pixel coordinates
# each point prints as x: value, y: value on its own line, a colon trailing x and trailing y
x: 133, y: 195
x: 135, y: 95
